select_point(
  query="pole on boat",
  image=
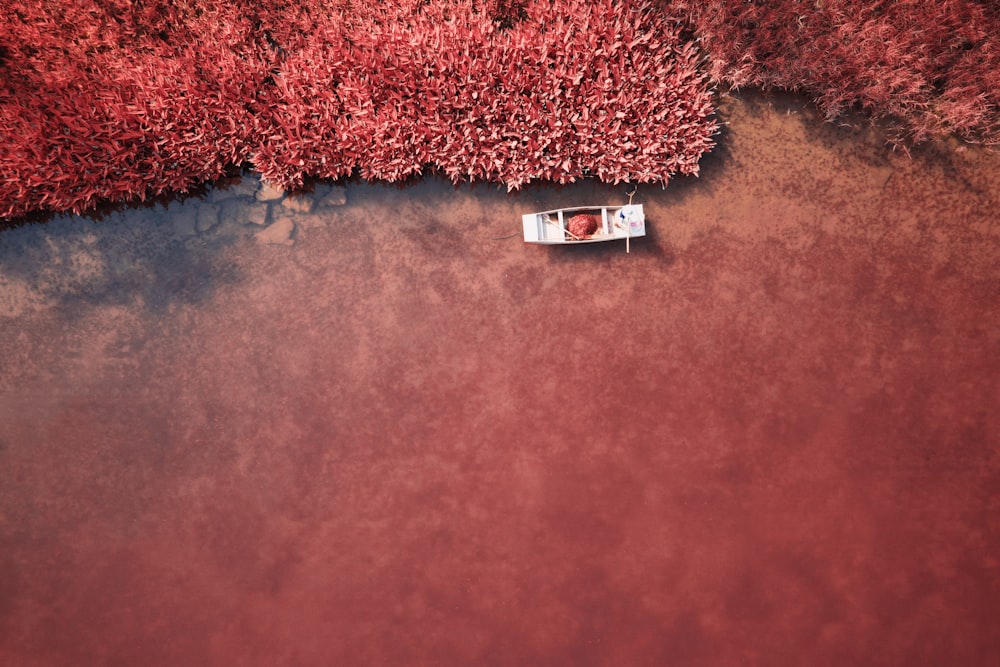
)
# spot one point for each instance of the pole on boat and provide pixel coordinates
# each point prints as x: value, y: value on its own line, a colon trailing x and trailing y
x: 628, y: 223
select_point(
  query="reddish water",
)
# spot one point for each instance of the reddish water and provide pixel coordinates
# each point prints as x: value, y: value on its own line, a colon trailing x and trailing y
x: 768, y: 435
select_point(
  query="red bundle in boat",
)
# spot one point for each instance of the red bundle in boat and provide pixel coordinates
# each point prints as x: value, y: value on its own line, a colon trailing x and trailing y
x: 583, y: 225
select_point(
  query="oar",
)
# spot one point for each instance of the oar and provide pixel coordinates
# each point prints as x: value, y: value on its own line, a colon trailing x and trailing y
x: 628, y: 233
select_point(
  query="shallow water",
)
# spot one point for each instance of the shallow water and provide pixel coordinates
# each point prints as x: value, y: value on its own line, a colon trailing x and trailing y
x: 766, y: 435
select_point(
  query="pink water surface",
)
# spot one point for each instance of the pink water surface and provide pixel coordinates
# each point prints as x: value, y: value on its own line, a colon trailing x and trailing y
x: 766, y: 436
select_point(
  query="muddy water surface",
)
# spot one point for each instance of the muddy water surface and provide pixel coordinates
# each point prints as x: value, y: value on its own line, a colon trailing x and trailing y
x: 384, y: 434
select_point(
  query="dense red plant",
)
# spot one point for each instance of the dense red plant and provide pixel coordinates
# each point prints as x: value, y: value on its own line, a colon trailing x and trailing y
x: 924, y: 68
x: 109, y: 101
x: 582, y: 225
x: 113, y: 100
x: 540, y: 90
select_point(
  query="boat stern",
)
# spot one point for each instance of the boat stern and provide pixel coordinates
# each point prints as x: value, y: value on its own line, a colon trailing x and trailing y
x: 632, y: 219
x: 532, y: 227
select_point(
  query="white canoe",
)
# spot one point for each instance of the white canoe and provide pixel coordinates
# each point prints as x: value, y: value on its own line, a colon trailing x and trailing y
x: 616, y: 222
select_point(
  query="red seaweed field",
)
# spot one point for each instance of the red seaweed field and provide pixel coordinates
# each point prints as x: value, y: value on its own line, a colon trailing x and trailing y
x: 922, y: 68
x: 116, y: 100
x: 108, y: 101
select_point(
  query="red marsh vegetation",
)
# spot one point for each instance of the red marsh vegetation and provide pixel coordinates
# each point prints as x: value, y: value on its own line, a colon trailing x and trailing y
x: 923, y: 69
x: 111, y: 100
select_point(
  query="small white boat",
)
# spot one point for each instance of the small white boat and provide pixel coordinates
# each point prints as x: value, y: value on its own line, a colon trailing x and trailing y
x: 584, y: 224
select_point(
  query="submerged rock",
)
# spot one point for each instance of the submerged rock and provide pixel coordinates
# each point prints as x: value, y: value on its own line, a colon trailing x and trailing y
x: 269, y: 192
x: 256, y: 215
x: 302, y: 203
x: 238, y: 212
x: 278, y: 233
x: 337, y: 196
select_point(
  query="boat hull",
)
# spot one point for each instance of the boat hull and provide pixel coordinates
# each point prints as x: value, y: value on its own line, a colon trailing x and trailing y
x: 615, y: 223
